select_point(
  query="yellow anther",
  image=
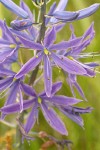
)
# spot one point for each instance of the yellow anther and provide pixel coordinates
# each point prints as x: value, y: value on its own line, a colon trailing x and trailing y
x: 36, y: 56
x: 70, y: 57
x: 12, y: 45
x: 39, y: 100
x: 46, y: 51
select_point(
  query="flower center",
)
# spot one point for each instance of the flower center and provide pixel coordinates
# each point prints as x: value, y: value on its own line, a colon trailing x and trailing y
x: 39, y: 100
x: 46, y: 52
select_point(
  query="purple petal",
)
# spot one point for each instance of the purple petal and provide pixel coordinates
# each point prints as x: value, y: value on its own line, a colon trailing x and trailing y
x: 65, y: 15
x: 21, y: 24
x: 65, y: 44
x: 10, y: 35
x: 28, y: 90
x: 14, y: 8
x: 75, y: 117
x: 5, y: 83
x: 53, y: 120
x: 12, y: 93
x: 52, y: 8
x: 5, y: 71
x: 88, y: 11
x: 30, y: 44
x: 47, y: 75
x: 68, y: 65
x: 4, y: 42
x: 28, y: 66
x: 20, y: 99
x: 26, y: 8
x: 55, y: 88
x: 62, y: 100
x: 50, y: 38
x: 14, y: 108
x: 31, y: 119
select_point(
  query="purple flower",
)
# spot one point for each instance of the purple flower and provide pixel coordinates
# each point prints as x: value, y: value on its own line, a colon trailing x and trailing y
x: 63, y: 103
x: 46, y: 53
x: 14, y: 8
x: 76, y: 53
x: 8, y: 44
x: 42, y: 101
x: 67, y: 16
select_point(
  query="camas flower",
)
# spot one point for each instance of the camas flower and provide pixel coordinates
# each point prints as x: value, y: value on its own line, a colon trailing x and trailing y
x: 76, y: 53
x: 68, y: 16
x: 63, y: 103
x: 46, y: 53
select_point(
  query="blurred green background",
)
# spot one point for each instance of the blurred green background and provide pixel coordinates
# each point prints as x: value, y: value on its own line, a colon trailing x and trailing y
x: 83, y: 139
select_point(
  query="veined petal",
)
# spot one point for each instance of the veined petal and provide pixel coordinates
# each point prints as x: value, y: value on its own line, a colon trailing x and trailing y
x: 47, y: 75
x: 88, y: 11
x: 62, y: 5
x: 62, y: 100
x: 68, y: 65
x: 31, y: 119
x: 64, y: 45
x: 5, y: 71
x: 65, y: 16
x: 9, y: 34
x: 30, y: 44
x: 28, y: 66
x: 20, y: 99
x: 28, y: 89
x: 14, y: 108
x: 4, y: 42
x: 4, y: 83
x: 50, y: 38
x: 14, y: 8
x: 53, y: 120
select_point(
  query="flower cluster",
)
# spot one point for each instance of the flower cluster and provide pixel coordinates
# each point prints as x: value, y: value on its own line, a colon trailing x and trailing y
x: 40, y: 38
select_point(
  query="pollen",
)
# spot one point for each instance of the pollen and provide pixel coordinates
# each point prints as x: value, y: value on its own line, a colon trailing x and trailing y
x: 39, y: 100
x: 70, y: 57
x: 12, y: 46
x: 46, y: 51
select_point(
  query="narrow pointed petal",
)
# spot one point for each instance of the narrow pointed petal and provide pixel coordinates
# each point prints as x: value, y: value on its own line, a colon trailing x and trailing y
x: 47, y: 75
x: 28, y: 90
x: 20, y: 99
x: 72, y: 80
x: 14, y: 108
x: 62, y: 100
x: 26, y: 8
x: 31, y: 119
x: 12, y: 93
x: 28, y: 66
x: 50, y: 38
x: 68, y: 65
x: 14, y: 8
x: 5, y: 83
x: 53, y: 120
x: 4, y: 42
x: 6, y: 72
x: 64, y: 45
x: 65, y: 16
x: 9, y: 33
x: 30, y: 44
x: 52, y: 8
x: 55, y: 88
x: 88, y: 11
x: 75, y: 117
x: 60, y: 7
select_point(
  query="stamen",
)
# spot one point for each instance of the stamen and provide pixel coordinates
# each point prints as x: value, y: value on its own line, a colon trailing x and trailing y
x: 39, y: 100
